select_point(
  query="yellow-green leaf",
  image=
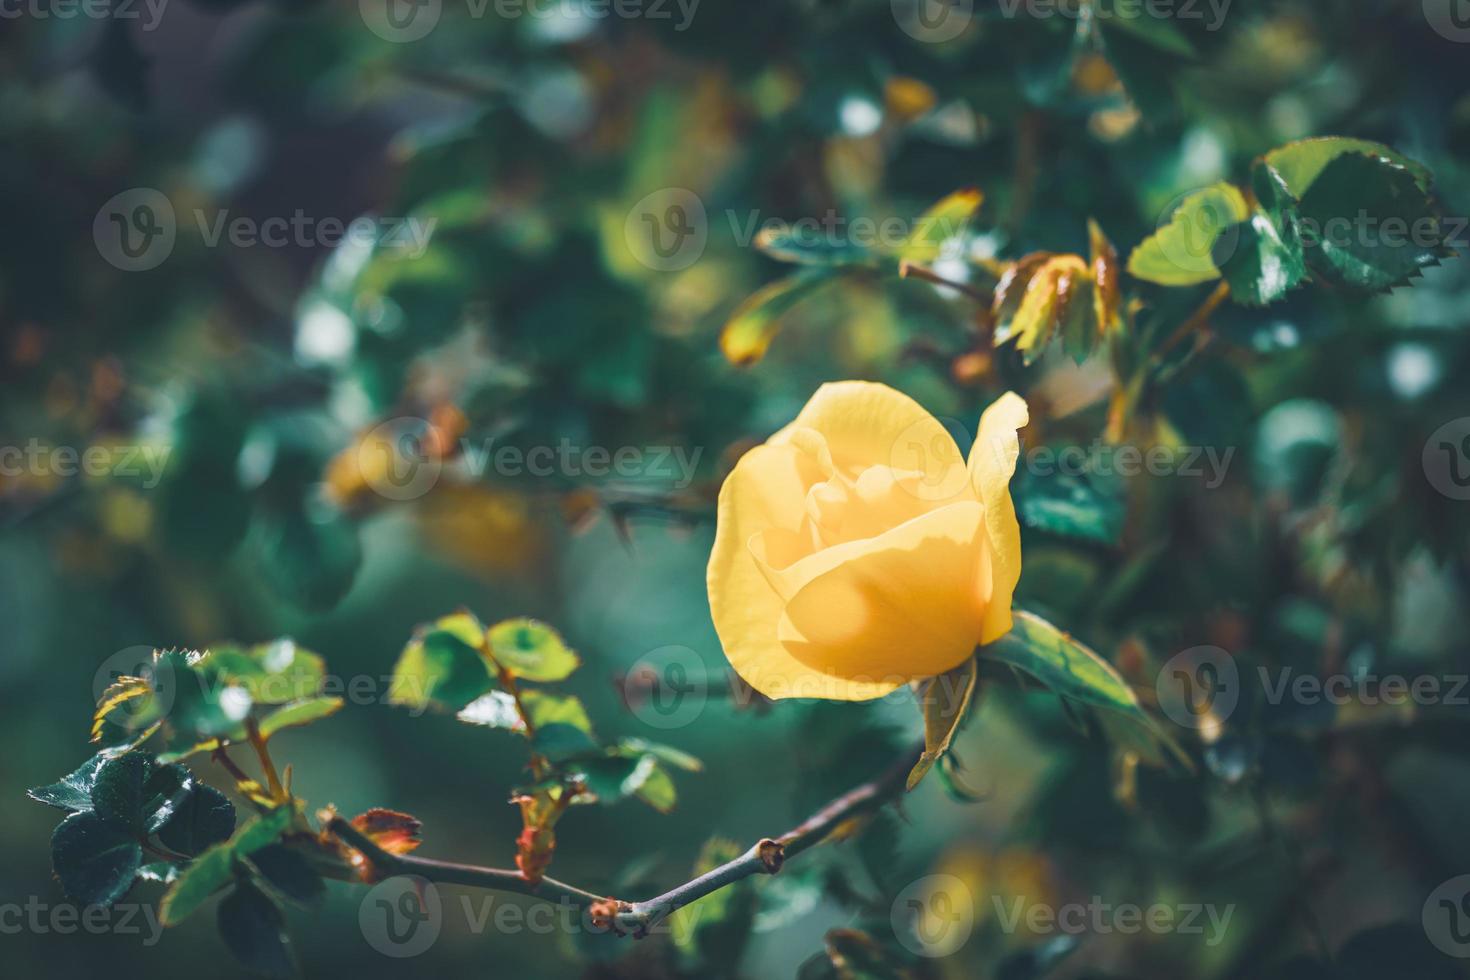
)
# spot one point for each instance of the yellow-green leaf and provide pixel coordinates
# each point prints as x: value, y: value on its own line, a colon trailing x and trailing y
x: 943, y: 221
x: 532, y: 650
x: 299, y: 713
x: 1180, y: 253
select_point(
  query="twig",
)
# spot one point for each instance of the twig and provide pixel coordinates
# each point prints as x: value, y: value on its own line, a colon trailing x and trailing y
x: 766, y: 856
x: 1196, y: 319
x: 912, y: 270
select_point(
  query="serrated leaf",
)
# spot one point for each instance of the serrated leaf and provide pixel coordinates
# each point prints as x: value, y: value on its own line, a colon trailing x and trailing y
x: 1072, y: 670
x: 441, y: 666
x: 754, y: 324
x: 273, y: 673
x: 544, y: 708
x: 118, y: 693
x: 1266, y: 259
x: 1368, y: 225
x: 531, y: 650
x: 943, y: 701
x: 1036, y: 318
x: 74, y: 790
x: 96, y: 860
x: 205, y: 818
x: 1301, y: 162
x: 394, y: 832
x: 254, y: 930
x: 944, y: 221
x: 298, y: 714
x: 132, y: 792
x: 1181, y: 252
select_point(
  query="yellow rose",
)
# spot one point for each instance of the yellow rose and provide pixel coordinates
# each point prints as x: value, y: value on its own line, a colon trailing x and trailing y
x: 857, y: 551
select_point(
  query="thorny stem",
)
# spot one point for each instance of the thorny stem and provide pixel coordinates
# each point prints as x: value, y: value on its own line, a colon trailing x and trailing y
x: 766, y: 856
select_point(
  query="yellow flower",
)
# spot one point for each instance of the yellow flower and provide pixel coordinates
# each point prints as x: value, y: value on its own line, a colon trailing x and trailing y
x: 857, y: 550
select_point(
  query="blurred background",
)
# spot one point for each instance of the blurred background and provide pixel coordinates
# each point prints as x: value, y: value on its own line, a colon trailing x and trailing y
x: 253, y: 250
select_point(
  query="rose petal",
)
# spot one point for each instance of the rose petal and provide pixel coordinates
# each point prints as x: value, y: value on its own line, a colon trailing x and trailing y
x: 766, y: 489
x: 992, y: 464
x: 866, y: 424
x: 904, y: 605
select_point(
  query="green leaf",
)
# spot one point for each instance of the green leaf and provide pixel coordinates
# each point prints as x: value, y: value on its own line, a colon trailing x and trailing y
x: 1301, y: 162
x: 1075, y: 672
x: 754, y: 324
x: 213, y: 869
x: 612, y: 778
x: 299, y: 713
x: 273, y: 673
x: 96, y: 860
x: 1181, y: 253
x: 131, y: 791
x: 943, y: 701
x: 677, y: 758
x: 199, y: 704
x: 803, y: 246
x: 657, y: 789
x: 206, y: 817
x: 1082, y: 506
x: 1368, y: 225
x: 1159, y: 32
x: 561, y: 742
x: 440, y: 667
x: 555, y: 709
x: 289, y: 872
x: 73, y: 791
x: 531, y: 650
x: 1266, y: 259
x: 254, y: 930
